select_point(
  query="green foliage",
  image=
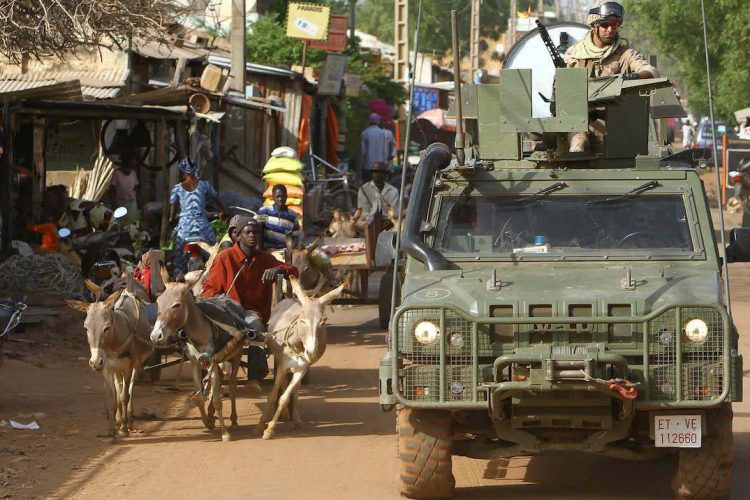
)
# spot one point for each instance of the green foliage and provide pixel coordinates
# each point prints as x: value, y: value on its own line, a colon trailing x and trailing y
x: 376, y: 17
x: 267, y: 43
x: 675, y: 29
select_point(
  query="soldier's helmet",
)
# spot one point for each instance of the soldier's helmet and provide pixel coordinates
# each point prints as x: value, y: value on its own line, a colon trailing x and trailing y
x: 605, y: 10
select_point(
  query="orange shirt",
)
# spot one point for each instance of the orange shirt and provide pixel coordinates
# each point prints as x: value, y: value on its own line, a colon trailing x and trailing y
x: 49, y: 235
x: 249, y: 289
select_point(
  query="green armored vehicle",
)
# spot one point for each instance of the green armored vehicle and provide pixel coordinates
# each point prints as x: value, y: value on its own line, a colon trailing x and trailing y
x: 563, y: 301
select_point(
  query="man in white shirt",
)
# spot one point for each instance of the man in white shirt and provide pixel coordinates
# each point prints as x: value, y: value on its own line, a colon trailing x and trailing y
x: 377, y: 195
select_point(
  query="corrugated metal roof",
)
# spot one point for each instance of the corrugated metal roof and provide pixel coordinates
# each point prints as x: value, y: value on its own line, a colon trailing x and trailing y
x: 100, y: 79
x: 15, y: 86
x: 7, y: 86
x: 225, y: 62
x: 95, y: 93
x: 165, y: 50
x: 40, y: 90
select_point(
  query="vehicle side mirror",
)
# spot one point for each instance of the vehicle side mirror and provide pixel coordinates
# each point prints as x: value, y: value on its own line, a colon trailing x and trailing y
x: 738, y: 249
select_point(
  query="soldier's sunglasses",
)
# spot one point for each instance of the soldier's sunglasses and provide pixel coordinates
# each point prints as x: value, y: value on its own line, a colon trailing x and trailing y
x: 610, y: 24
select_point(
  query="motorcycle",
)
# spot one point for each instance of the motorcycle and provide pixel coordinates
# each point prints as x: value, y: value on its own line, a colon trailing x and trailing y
x: 10, y: 315
x: 740, y: 179
x: 102, y: 252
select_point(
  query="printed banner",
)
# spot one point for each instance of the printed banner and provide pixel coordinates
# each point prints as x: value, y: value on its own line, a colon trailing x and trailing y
x: 308, y: 21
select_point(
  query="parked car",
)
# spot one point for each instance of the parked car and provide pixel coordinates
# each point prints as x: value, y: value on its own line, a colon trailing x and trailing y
x: 704, y: 138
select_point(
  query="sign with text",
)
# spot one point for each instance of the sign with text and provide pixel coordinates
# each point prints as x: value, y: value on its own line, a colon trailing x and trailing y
x: 308, y: 21
x: 331, y: 75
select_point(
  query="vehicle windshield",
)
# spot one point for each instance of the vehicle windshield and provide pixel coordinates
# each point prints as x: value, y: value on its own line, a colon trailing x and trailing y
x: 721, y: 130
x: 564, y: 225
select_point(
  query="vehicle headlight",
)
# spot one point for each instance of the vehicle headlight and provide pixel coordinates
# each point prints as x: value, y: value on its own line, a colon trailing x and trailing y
x: 426, y: 332
x: 696, y: 330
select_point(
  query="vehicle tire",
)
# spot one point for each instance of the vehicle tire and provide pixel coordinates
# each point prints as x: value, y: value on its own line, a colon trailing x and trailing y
x: 424, y: 449
x: 385, y: 296
x: 706, y: 472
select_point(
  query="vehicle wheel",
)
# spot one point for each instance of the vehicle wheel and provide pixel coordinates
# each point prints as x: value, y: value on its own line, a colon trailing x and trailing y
x: 385, y: 294
x: 424, y: 449
x: 706, y: 472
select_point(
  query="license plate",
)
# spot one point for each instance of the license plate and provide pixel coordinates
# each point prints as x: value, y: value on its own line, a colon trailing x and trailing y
x: 677, y: 431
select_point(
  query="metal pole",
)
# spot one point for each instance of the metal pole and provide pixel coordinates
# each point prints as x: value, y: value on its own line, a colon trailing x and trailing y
x: 457, y: 84
x: 405, y: 166
x: 725, y: 266
x: 5, y: 188
x: 352, y: 21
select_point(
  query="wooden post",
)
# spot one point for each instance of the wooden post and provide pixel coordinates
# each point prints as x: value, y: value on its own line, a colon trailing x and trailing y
x: 474, y: 40
x: 238, y: 45
x: 401, y: 41
x: 161, y: 159
x: 512, y: 21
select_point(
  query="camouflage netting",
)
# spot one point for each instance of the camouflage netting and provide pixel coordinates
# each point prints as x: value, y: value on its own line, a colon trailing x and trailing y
x: 42, y: 273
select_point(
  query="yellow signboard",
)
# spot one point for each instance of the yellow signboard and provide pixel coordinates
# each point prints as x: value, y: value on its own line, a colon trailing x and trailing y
x: 308, y: 21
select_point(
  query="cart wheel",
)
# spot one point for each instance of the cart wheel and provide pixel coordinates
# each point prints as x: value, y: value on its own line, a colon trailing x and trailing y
x: 385, y: 297
x: 154, y: 374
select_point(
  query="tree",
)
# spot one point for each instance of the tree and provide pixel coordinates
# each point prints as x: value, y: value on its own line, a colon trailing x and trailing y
x: 44, y: 28
x: 675, y: 29
x: 267, y: 43
x: 377, y: 18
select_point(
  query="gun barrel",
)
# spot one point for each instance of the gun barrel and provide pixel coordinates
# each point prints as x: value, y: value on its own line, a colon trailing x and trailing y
x: 557, y: 59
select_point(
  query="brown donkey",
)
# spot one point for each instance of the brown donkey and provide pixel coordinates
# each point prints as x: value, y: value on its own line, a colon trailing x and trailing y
x: 178, y: 313
x: 297, y: 338
x: 117, y: 331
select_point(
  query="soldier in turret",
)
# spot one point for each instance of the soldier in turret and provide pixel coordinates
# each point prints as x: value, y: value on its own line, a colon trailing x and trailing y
x: 604, y: 53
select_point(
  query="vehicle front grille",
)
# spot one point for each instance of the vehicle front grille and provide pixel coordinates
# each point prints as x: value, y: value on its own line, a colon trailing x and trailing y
x: 422, y: 373
x: 673, y: 368
x: 697, y: 374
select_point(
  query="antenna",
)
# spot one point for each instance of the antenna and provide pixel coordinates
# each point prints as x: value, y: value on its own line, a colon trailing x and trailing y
x: 460, y: 143
x: 725, y: 265
x: 404, y: 169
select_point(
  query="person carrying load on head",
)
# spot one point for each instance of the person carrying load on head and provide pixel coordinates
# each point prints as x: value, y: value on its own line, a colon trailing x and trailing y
x: 603, y: 52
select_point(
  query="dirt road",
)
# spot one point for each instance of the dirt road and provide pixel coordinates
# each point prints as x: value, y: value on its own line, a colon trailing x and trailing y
x: 346, y: 450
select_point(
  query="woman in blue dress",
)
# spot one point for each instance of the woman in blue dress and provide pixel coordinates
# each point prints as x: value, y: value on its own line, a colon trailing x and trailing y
x: 188, y: 201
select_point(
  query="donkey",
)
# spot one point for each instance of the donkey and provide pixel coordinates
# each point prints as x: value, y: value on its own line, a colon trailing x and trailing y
x: 297, y: 338
x: 117, y: 332
x: 344, y: 225
x: 178, y: 312
x: 314, y: 275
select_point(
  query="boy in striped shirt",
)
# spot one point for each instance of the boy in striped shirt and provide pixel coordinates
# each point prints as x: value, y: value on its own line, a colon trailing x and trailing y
x: 280, y: 221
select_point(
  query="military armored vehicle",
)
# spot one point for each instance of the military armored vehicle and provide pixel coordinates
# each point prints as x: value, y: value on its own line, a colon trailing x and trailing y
x: 563, y: 301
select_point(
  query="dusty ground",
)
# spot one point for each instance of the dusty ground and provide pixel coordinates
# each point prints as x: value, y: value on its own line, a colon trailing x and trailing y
x: 346, y: 450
